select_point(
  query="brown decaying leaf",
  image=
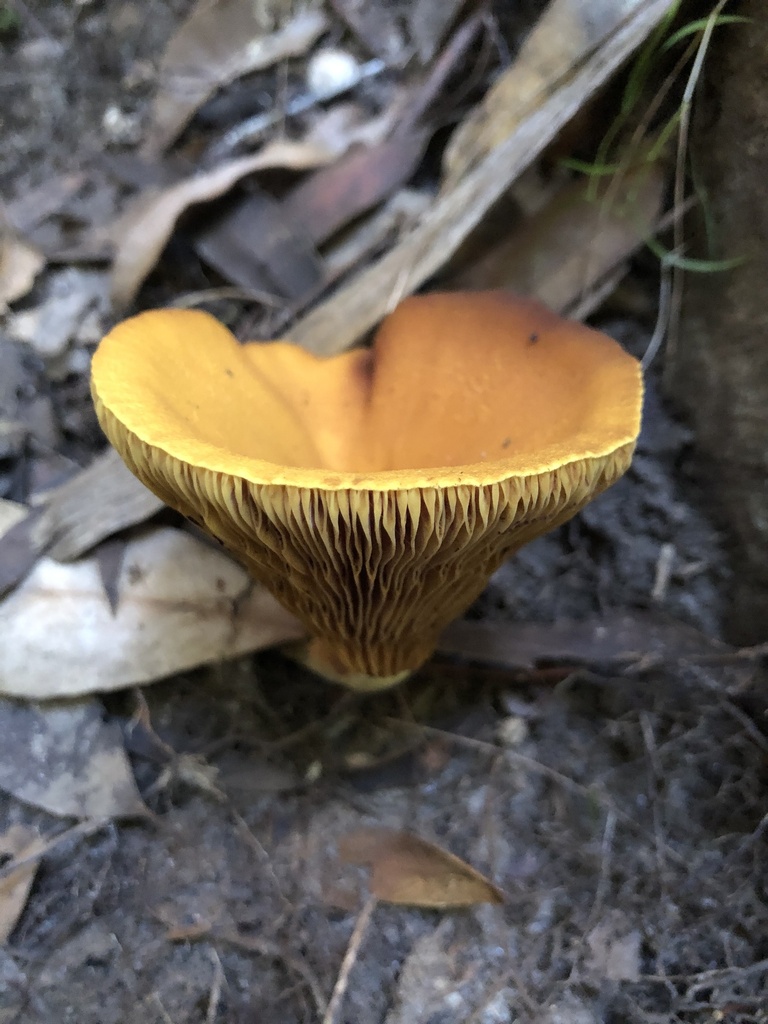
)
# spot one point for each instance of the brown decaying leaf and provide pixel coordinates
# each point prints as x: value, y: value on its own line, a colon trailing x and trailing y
x: 141, y: 233
x: 20, y: 843
x: 567, y: 248
x: 65, y: 758
x: 369, y: 295
x: 20, y: 263
x: 181, y: 604
x: 219, y: 41
x: 411, y: 871
x: 330, y: 198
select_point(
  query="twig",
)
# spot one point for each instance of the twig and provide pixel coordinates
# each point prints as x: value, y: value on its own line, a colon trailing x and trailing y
x: 218, y: 980
x: 250, y: 129
x: 353, y: 949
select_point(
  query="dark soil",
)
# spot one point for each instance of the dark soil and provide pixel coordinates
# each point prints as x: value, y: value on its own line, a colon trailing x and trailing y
x: 622, y: 811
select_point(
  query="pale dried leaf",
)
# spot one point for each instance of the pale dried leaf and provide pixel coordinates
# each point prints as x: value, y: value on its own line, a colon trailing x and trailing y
x: 20, y: 263
x: 565, y: 250
x: 20, y: 843
x: 100, y: 500
x: 141, y: 233
x: 219, y: 41
x: 371, y: 294
x: 182, y: 604
x: 65, y: 758
x: 565, y: 35
x: 411, y: 871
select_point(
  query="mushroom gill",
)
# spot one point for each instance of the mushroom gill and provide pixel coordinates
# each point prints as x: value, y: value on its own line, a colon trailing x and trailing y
x: 374, y: 492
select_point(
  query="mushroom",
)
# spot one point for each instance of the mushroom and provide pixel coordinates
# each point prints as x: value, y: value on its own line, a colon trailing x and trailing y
x: 374, y: 492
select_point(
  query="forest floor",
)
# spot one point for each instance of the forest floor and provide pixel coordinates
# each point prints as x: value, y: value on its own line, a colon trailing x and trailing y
x: 619, y: 807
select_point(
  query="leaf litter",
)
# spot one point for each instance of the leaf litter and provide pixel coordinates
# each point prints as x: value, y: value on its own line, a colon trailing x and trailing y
x: 541, y: 807
x: 220, y: 40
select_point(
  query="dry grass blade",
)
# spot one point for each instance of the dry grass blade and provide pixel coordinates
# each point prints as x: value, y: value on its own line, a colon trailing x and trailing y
x: 369, y: 295
x: 220, y: 41
x: 411, y: 871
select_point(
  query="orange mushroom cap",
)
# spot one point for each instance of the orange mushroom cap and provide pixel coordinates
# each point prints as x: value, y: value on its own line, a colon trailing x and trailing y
x: 374, y: 492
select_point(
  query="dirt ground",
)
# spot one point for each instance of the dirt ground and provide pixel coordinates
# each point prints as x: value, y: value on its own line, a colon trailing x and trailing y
x: 620, y: 809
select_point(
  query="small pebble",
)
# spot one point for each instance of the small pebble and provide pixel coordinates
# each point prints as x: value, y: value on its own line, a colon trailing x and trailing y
x: 331, y: 72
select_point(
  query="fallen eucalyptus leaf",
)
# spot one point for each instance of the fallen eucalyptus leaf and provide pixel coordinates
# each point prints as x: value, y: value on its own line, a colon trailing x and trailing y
x: 65, y: 758
x: 181, y: 604
x: 411, y: 871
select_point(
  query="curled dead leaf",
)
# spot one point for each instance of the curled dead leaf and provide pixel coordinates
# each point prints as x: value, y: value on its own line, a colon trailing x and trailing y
x: 141, y: 233
x: 412, y: 871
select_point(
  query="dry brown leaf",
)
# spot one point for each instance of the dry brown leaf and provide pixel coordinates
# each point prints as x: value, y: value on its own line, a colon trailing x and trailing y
x: 20, y: 843
x: 20, y: 263
x: 181, y: 604
x: 100, y: 500
x: 362, y: 302
x: 408, y: 870
x: 565, y: 35
x: 65, y: 758
x: 219, y: 41
x: 141, y: 233
x: 330, y: 198
x: 564, y: 251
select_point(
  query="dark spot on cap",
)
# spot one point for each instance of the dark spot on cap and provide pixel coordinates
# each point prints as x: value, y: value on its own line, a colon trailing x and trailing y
x: 506, y: 442
x: 533, y: 338
x: 229, y: 372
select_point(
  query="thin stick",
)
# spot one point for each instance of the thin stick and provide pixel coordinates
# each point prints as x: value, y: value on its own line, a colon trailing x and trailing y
x: 218, y: 980
x: 353, y: 949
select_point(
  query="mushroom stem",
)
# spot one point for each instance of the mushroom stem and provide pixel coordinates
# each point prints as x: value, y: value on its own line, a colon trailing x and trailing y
x: 312, y: 654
